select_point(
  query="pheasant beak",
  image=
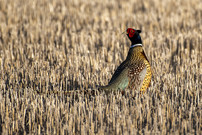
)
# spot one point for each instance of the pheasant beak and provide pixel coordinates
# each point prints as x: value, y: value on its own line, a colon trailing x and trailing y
x: 125, y: 32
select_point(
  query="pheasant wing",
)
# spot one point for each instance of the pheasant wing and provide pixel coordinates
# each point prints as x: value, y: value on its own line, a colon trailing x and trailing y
x: 118, y: 71
x: 136, y: 74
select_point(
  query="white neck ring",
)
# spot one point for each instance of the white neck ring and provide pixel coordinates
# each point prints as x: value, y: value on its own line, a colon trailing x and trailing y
x: 132, y: 46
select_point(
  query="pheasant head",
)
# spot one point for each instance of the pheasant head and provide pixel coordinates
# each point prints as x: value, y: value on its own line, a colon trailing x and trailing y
x: 134, y: 36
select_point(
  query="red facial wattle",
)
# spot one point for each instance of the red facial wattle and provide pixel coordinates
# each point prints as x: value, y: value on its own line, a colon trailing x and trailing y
x: 130, y: 32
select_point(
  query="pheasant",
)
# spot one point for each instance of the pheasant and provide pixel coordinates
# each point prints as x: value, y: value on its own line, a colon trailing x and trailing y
x: 135, y: 72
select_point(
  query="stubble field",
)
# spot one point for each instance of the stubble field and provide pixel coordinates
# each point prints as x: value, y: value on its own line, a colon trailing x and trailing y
x: 50, y: 47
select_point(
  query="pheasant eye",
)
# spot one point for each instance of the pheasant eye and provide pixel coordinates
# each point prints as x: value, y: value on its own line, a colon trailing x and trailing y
x: 131, y: 31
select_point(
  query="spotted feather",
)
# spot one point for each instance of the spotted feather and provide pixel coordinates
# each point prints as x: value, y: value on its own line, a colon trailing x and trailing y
x: 134, y: 74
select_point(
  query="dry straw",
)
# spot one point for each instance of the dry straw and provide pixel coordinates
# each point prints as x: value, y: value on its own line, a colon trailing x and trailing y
x: 48, y: 46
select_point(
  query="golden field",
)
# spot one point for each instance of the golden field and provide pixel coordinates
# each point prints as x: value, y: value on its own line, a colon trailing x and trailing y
x: 50, y: 47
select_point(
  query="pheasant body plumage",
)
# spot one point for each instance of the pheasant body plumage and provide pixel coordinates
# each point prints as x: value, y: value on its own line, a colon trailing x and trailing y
x: 135, y: 72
